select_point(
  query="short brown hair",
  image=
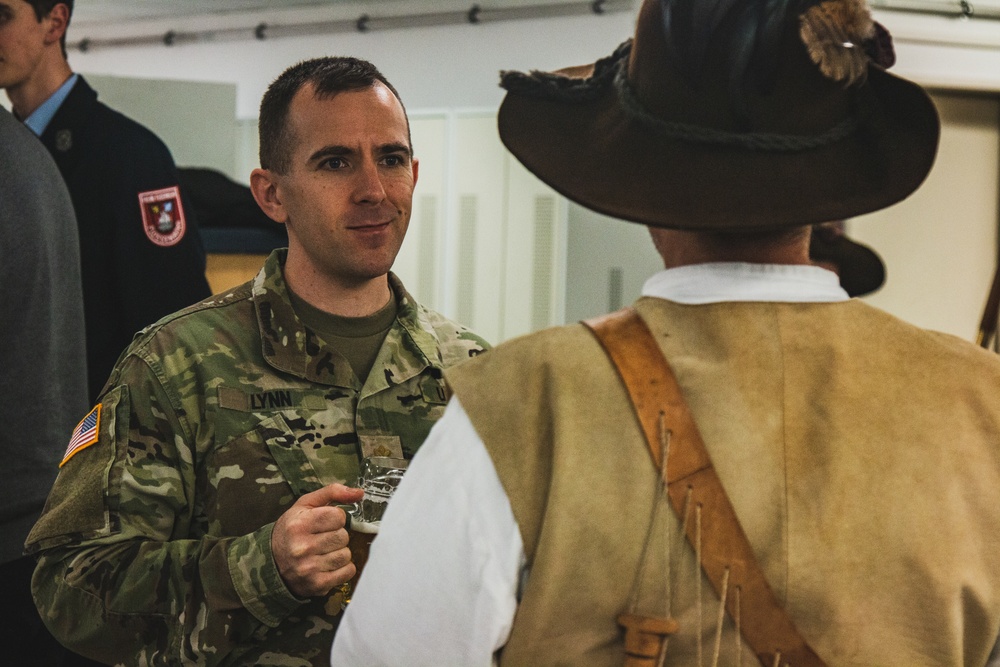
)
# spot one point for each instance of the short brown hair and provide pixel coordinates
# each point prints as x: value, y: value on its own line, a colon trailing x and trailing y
x: 42, y: 9
x: 330, y: 75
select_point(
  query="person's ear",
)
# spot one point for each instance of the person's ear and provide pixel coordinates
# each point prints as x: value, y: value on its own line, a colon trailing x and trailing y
x: 267, y: 192
x: 58, y: 22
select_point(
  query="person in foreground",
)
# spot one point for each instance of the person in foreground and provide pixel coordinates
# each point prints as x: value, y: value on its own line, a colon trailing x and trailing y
x: 860, y: 455
x: 193, y: 521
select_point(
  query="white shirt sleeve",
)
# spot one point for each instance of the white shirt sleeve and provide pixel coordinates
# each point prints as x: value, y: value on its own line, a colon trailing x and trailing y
x: 440, y: 586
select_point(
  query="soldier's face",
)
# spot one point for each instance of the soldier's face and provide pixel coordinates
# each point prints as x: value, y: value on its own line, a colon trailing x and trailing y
x: 22, y: 41
x: 346, y: 197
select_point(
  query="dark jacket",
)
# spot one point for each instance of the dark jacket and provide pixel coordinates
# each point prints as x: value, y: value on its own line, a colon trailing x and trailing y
x: 133, y: 271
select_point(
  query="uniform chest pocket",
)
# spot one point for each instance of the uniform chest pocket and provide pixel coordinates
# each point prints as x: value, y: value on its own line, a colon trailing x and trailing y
x: 289, y: 456
x: 310, y: 435
x: 253, y: 477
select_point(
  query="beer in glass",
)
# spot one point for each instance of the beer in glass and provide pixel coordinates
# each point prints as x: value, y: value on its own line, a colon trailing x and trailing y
x: 379, y: 477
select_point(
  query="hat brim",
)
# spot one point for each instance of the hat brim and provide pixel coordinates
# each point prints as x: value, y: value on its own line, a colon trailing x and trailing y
x: 860, y: 268
x: 598, y: 155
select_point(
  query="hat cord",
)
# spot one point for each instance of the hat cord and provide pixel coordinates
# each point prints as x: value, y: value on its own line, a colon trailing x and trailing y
x: 613, y: 71
x: 751, y: 141
x: 549, y: 86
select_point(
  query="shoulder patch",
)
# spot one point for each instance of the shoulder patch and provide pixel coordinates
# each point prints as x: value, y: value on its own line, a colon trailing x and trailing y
x: 84, y: 435
x: 163, y: 215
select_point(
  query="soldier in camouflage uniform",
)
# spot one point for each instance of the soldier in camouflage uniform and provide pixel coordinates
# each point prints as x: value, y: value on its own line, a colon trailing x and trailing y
x: 195, y: 521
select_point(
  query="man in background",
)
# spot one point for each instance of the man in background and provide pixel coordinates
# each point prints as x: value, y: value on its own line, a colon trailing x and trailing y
x: 197, y: 524
x: 141, y: 255
x: 856, y: 456
x: 43, y: 385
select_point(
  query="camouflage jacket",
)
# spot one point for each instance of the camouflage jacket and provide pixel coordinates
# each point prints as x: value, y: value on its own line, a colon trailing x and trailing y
x: 154, y: 543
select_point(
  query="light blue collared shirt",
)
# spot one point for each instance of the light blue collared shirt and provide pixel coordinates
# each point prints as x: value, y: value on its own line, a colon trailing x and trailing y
x: 42, y: 116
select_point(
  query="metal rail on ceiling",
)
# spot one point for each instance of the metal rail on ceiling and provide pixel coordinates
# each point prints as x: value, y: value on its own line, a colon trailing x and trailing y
x: 962, y: 9
x: 476, y: 14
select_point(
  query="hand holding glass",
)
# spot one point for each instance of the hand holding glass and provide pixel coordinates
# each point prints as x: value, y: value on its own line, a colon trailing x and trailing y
x: 379, y: 476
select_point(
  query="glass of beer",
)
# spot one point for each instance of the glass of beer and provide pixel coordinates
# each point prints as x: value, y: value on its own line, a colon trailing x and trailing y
x: 379, y: 476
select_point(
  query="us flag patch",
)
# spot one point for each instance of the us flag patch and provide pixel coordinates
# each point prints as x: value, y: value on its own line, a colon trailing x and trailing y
x: 84, y: 435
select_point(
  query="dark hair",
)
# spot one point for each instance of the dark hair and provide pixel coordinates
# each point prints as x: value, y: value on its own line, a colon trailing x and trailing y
x: 329, y: 75
x: 42, y: 9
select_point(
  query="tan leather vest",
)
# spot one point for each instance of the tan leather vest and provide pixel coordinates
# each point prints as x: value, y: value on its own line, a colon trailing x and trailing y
x: 862, y: 456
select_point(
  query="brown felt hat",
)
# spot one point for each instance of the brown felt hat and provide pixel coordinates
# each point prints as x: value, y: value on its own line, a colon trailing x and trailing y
x: 812, y: 129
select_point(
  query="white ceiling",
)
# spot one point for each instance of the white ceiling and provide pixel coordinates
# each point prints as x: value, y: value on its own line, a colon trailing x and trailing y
x: 98, y: 24
x: 103, y: 12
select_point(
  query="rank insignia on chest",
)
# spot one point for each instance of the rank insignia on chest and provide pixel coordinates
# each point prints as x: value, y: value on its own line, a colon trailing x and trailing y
x: 84, y: 435
x: 381, y: 445
x: 163, y: 215
x: 434, y: 391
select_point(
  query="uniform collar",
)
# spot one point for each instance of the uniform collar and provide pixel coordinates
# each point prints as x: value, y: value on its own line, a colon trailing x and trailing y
x: 739, y: 281
x: 68, y: 129
x: 42, y: 116
x: 289, y: 346
x: 410, y: 347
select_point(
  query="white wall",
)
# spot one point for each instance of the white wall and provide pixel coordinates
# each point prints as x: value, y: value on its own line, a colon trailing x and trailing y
x: 199, y: 134
x: 607, y: 263
x: 940, y: 244
x: 433, y: 67
x: 953, y: 53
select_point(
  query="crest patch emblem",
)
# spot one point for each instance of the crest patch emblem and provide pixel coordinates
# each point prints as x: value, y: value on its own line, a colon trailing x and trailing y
x: 163, y: 216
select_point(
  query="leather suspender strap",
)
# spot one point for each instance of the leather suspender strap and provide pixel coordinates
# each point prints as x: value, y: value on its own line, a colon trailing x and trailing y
x: 653, y: 390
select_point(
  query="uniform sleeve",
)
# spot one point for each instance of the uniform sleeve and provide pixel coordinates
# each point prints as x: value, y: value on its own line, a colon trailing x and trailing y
x: 160, y: 267
x: 446, y: 563
x: 125, y: 574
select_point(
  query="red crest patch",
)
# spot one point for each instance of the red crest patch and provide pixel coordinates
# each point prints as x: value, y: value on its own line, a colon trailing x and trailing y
x: 163, y: 215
